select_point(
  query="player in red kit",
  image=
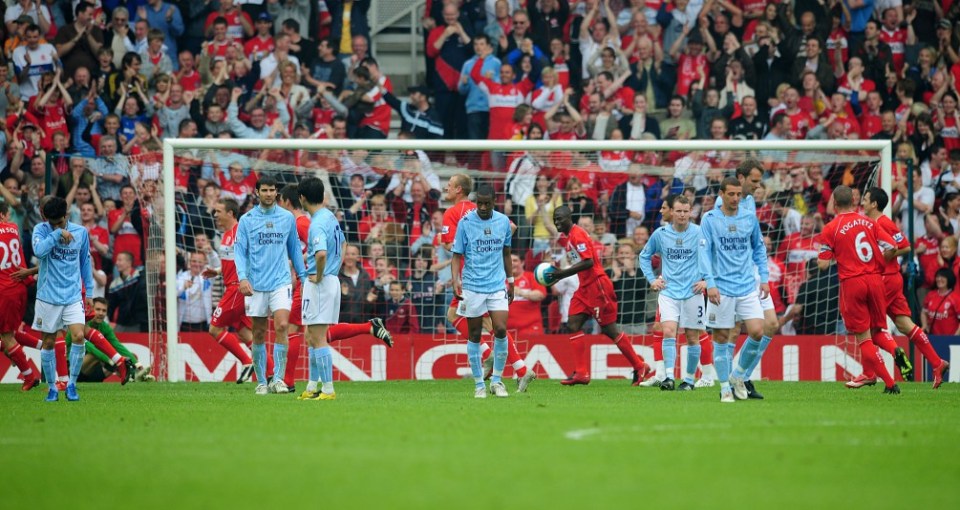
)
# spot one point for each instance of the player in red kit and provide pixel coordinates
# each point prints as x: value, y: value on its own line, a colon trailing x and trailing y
x: 860, y: 249
x: 594, y: 298
x: 229, y: 312
x: 13, y: 298
x: 457, y: 192
x: 874, y: 201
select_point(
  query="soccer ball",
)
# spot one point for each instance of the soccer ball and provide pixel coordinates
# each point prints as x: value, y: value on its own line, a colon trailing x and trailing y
x: 541, y: 272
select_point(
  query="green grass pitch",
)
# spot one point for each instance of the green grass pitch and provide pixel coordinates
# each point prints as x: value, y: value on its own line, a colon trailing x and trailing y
x: 430, y: 444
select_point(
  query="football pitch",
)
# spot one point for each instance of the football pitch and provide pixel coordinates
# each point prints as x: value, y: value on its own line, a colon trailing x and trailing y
x: 430, y: 444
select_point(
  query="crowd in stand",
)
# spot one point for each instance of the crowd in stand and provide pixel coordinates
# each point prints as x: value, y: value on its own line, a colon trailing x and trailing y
x: 91, y: 89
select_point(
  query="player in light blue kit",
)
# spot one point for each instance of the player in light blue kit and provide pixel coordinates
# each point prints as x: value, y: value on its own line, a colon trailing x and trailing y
x: 63, y: 249
x: 684, y: 275
x: 481, y: 249
x: 735, y: 247
x: 321, y: 290
x: 266, y: 240
x: 750, y: 174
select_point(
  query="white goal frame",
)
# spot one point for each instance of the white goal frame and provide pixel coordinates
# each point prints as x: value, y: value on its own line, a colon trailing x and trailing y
x: 174, y: 371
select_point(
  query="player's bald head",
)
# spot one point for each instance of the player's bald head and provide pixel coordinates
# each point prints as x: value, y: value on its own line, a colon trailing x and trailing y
x: 464, y: 182
x: 843, y: 197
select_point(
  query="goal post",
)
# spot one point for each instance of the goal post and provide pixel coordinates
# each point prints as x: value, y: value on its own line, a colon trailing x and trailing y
x: 172, y: 367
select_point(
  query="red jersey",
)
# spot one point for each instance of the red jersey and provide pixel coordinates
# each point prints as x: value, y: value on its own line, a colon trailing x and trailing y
x: 303, y: 231
x: 218, y: 50
x: 503, y: 100
x: 837, y: 39
x: 856, y: 243
x: 100, y: 234
x: 452, y: 217
x: 580, y: 246
x: 228, y: 268
x: 563, y: 71
x: 125, y: 239
x: 11, y: 256
x: 525, y: 315
x: 379, y: 117
x: 928, y: 259
x: 950, y: 133
x: 943, y: 313
x: 256, y: 49
x: 238, y: 190
x: 800, y: 123
x: 688, y: 72
x: 846, y: 88
x: 234, y: 28
x: 900, y: 242
x: 795, y: 250
x: 189, y: 80
x: 870, y: 124
x: 52, y: 118
x: 897, y: 39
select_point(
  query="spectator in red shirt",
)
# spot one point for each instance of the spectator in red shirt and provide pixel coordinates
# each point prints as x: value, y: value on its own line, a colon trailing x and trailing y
x: 126, y: 225
x: 525, y: 313
x: 239, y: 24
x: 401, y: 315
x: 237, y: 185
x: 99, y: 237
x: 375, y: 221
x: 941, y: 308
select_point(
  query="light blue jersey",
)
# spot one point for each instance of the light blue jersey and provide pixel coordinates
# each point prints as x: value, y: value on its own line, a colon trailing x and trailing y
x: 735, y: 249
x: 325, y: 235
x: 683, y: 258
x: 266, y: 239
x: 481, y: 243
x: 63, y: 267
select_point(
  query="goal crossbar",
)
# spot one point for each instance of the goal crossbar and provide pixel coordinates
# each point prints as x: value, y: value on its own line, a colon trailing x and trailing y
x: 882, y: 147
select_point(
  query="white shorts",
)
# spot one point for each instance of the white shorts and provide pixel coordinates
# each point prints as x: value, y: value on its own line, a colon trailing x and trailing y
x: 49, y: 318
x: 321, y: 301
x: 732, y: 310
x: 476, y: 304
x: 767, y: 302
x: 263, y: 304
x: 688, y: 313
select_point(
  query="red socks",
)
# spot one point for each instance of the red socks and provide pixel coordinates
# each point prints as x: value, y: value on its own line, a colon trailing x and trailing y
x: 657, y: 346
x: 19, y: 359
x: 919, y: 338
x: 100, y: 342
x: 626, y: 348
x: 294, y: 346
x: 513, y: 356
x: 231, y: 343
x: 706, y: 349
x: 60, y: 351
x: 26, y: 339
x: 344, y: 331
x: 884, y: 341
x: 580, y: 355
x: 872, y: 359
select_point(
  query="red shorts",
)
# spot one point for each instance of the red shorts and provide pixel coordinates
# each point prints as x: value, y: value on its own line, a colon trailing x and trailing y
x: 596, y: 300
x: 14, y: 306
x: 230, y: 312
x: 894, y: 298
x: 861, y: 303
x: 296, y: 306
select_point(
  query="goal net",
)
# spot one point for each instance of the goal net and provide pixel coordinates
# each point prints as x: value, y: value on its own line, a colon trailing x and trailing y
x: 390, y: 196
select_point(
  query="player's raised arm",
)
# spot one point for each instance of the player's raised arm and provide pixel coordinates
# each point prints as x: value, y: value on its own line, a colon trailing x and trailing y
x: 296, y: 254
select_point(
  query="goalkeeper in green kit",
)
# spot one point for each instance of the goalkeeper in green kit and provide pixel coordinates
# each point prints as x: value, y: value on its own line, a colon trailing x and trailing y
x: 97, y: 365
